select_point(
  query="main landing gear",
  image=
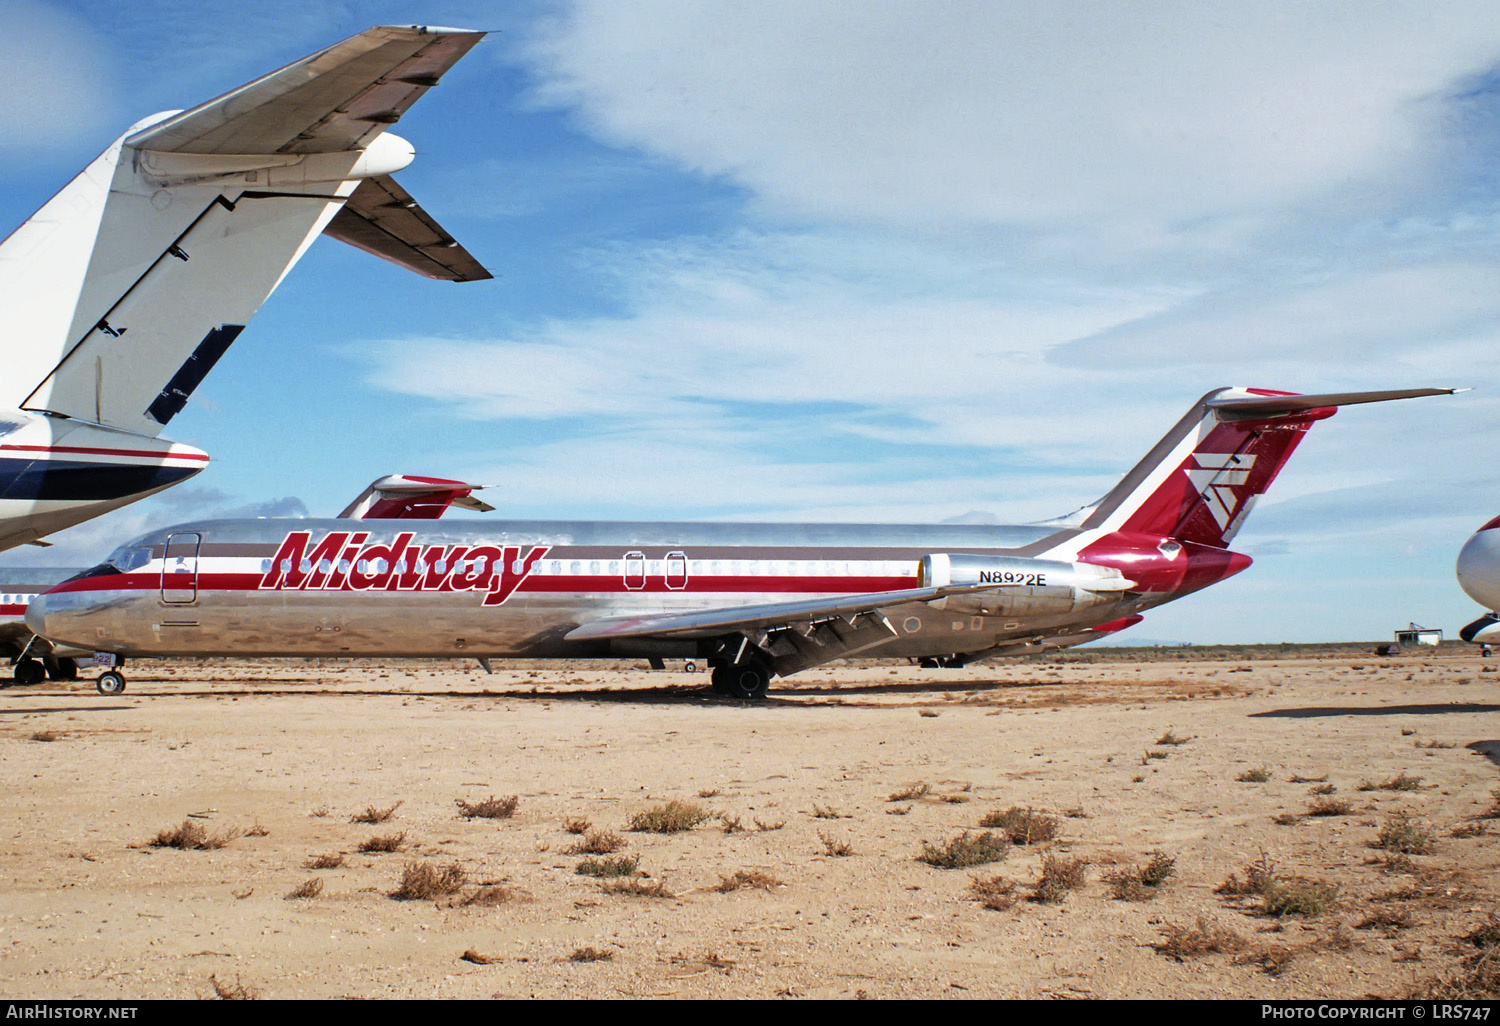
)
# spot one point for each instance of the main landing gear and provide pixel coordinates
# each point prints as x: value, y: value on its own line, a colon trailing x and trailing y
x: 748, y: 681
x: 29, y: 670
x: 110, y: 682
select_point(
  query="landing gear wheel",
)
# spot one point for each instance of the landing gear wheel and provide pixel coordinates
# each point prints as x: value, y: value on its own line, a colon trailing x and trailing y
x: 110, y: 682
x: 718, y: 680
x: 30, y: 671
x: 747, y: 681
x: 61, y: 668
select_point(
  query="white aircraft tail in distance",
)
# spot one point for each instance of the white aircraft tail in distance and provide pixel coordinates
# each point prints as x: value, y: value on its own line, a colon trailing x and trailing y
x: 752, y: 600
x: 127, y: 287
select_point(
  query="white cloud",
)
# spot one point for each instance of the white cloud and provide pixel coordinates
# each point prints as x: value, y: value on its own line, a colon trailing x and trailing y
x: 1143, y: 116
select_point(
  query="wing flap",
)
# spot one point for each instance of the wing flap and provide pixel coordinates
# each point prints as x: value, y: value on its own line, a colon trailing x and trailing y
x: 382, y: 219
x: 337, y: 99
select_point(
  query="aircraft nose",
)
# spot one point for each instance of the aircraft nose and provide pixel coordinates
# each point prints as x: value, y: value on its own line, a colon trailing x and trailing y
x: 36, y: 615
x: 1479, y: 568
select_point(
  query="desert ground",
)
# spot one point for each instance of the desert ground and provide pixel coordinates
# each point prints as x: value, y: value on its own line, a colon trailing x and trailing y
x: 1179, y: 786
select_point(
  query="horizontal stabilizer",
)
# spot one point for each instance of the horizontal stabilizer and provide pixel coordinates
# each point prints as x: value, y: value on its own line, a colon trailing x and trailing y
x: 400, y: 497
x: 1262, y: 407
x: 382, y: 219
x: 337, y: 99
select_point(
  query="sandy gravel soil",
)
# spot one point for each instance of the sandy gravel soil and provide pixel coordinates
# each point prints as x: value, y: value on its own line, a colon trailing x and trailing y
x: 280, y: 757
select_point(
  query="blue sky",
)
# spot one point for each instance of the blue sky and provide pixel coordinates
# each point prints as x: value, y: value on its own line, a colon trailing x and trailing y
x: 879, y: 261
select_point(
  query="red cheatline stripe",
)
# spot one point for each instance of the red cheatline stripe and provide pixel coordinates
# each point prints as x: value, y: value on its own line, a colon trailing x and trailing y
x: 534, y: 583
x: 12, y: 610
x: 108, y: 452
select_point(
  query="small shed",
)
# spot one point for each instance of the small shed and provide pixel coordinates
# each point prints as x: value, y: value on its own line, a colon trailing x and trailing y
x: 1416, y: 635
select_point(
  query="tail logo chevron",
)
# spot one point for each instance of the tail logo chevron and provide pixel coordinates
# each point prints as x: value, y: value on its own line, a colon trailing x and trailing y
x: 1216, y: 477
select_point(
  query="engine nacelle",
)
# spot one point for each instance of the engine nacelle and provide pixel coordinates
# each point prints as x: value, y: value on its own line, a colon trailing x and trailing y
x: 1010, y: 586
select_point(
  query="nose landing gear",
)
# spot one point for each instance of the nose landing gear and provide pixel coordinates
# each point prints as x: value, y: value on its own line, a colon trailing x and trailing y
x: 110, y: 682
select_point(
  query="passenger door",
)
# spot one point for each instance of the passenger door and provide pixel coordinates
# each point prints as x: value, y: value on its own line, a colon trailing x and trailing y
x: 179, y: 570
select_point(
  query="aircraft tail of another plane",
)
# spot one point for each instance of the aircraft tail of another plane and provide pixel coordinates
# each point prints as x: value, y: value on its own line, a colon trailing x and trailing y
x: 123, y: 291
x: 404, y: 497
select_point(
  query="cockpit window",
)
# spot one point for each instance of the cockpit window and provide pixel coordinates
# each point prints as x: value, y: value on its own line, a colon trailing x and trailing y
x: 126, y: 559
x: 102, y: 570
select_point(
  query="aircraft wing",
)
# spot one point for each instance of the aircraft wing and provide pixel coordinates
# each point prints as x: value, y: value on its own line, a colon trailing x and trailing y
x: 337, y: 99
x: 768, y: 616
x: 382, y: 219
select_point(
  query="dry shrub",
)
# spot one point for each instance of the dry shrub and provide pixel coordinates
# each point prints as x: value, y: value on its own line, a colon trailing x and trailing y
x: 636, y: 887
x: 381, y: 845
x: 473, y: 956
x: 577, y: 825
x: 621, y: 865
x: 835, y: 847
x: 1477, y: 976
x: 1298, y: 778
x: 309, y: 889
x: 671, y: 818
x: 1467, y: 830
x: 1493, y: 812
x: 45, y: 735
x: 1259, y: 876
x: 1184, y: 942
x: 1259, y: 775
x: 422, y: 881
x: 742, y: 878
x: 1286, y: 819
x: 911, y: 793
x: 1141, y: 883
x: 1400, y: 782
x: 374, y: 815
x: 1322, y: 789
x: 490, y: 808
x: 591, y: 954
x: 192, y: 837
x: 731, y: 824
x: 1297, y: 896
x: 325, y: 861
x: 597, y: 842
x: 828, y: 812
x: 965, y: 850
x: 236, y: 991
x: 1272, y: 958
x: 1401, y: 833
x: 762, y: 828
x: 1022, y: 826
x: 1329, y: 807
x: 996, y: 893
x: 1059, y: 876
x: 1170, y: 738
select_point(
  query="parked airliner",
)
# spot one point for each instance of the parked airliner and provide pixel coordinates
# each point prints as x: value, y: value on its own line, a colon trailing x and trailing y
x: 126, y: 288
x: 1479, y: 576
x: 393, y: 497
x: 753, y: 600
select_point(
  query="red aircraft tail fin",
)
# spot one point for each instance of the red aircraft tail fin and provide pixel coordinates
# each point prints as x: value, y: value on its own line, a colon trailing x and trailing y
x: 403, y: 497
x: 1201, y: 480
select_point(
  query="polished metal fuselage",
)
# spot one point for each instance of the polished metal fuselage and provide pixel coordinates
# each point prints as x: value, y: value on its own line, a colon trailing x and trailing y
x: 403, y: 588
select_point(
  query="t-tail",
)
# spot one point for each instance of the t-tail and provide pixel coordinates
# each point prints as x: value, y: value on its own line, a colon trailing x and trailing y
x: 1169, y: 523
x: 122, y: 292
